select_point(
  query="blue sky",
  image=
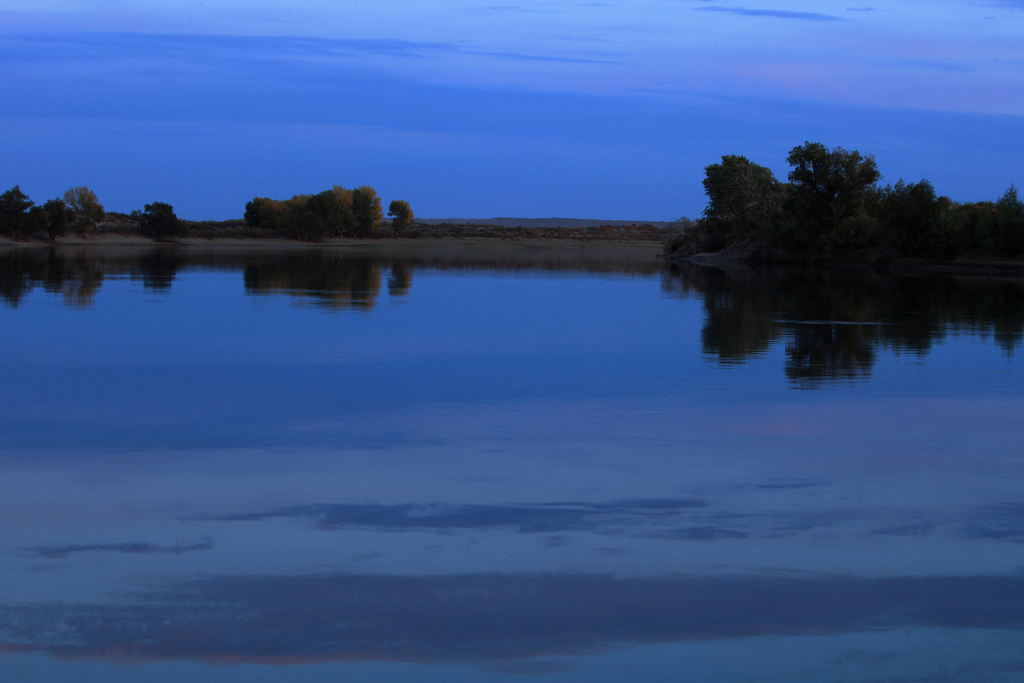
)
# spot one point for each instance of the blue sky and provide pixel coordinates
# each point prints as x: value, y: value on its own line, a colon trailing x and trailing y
x: 469, y: 108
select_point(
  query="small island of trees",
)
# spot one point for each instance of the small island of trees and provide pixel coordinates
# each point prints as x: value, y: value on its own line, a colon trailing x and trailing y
x: 833, y: 208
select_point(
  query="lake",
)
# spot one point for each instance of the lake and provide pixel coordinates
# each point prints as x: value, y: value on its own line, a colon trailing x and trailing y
x: 505, y: 463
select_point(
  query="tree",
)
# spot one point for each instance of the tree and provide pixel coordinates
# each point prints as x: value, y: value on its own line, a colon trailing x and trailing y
x: 14, y: 205
x: 328, y: 207
x: 830, y: 184
x: 402, y: 212
x: 742, y: 196
x: 59, y: 215
x: 367, y: 210
x: 87, y: 208
x: 909, y: 212
x: 348, y: 218
x: 159, y: 220
x: 304, y: 224
x: 1006, y: 232
x: 263, y: 212
x: 37, y: 220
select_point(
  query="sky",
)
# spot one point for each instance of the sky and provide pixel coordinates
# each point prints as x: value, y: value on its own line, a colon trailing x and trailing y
x: 469, y: 108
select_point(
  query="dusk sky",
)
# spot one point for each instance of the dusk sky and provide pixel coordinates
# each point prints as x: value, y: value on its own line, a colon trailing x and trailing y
x: 478, y: 109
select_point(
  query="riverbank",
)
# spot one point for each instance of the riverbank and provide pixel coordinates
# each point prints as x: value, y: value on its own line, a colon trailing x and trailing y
x: 980, y: 264
x: 236, y: 233
x: 124, y: 253
x: 761, y: 251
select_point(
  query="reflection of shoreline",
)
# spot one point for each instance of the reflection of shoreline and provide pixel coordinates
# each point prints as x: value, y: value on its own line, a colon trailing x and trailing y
x: 472, y: 247
x: 833, y: 322
x: 492, y: 618
x: 337, y: 277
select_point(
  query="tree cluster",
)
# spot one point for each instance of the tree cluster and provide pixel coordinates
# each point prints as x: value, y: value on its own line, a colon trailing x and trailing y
x: 77, y: 210
x: 833, y: 203
x: 330, y: 213
x: 159, y: 221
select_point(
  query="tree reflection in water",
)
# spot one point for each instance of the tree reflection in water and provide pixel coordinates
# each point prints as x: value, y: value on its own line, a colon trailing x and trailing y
x: 833, y: 322
x: 77, y: 280
x: 331, y: 281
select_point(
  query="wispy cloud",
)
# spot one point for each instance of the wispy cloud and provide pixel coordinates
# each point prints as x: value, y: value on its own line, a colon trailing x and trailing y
x: 62, y: 551
x: 996, y: 522
x: 525, y: 519
x: 104, y: 46
x: 772, y: 13
x: 682, y: 519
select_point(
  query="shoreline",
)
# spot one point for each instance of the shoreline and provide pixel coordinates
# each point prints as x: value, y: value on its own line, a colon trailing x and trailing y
x: 373, y: 244
x: 964, y: 265
x: 476, y: 245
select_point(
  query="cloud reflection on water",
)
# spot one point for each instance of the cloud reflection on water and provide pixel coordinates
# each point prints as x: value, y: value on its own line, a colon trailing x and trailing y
x: 691, y: 519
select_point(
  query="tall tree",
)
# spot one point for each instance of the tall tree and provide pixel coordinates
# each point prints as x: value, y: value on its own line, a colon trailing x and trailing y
x: 742, y: 195
x: 402, y: 212
x: 159, y: 220
x: 830, y: 184
x: 367, y: 209
x: 59, y: 215
x: 14, y: 205
x: 87, y: 208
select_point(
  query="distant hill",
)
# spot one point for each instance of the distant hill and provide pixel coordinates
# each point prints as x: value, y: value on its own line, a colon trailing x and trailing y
x: 505, y: 222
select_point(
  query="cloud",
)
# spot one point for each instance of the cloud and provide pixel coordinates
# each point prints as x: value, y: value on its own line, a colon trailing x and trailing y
x: 997, y: 522
x: 491, y: 618
x: 773, y: 13
x: 241, y: 50
x: 525, y: 519
x: 684, y: 519
x: 62, y: 551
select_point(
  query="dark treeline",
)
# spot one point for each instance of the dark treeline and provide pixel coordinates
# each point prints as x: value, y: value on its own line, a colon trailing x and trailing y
x: 331, y: 213
x: 834, y: 322
x: 77, y: 211
x: 833, y: 205
x: 334, y: 212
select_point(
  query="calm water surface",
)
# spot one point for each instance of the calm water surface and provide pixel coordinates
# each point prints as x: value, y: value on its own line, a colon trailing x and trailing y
x: 469, y: 466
